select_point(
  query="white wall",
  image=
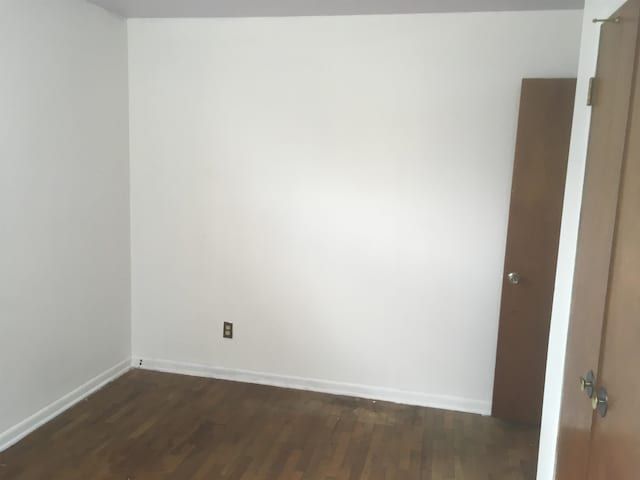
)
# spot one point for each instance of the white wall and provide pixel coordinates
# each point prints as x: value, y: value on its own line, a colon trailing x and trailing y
x: 569, y: 236
x: 64, y: 221
x: 336, y: 187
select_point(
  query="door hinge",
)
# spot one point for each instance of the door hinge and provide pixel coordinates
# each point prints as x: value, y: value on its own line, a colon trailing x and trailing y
x: 592, y: 80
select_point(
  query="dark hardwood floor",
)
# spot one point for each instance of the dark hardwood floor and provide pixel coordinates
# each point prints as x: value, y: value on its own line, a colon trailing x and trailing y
x: 149, y: 425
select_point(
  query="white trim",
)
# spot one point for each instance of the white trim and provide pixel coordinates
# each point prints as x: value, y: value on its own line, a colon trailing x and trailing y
x: 25, y: 427
x: 445, y: 402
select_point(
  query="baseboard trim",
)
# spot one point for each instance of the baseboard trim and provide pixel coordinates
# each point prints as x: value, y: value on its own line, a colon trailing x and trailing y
x: 444, y: 402
x: 25, y: 427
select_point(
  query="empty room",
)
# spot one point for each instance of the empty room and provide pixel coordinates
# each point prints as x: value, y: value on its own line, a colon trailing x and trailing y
x: 319, y: 240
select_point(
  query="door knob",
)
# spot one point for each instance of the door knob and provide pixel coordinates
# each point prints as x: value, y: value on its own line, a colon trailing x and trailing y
x: 514, y: 278
x: 587, y: 382
x: 600, y: 402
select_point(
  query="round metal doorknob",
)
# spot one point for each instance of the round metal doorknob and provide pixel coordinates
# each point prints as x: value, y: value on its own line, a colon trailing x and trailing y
x: 514, y: 278
x: 600, y: 402
x: 587, y: 383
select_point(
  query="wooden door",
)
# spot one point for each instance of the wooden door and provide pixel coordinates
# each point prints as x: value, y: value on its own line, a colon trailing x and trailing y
x: 610, y: 115
x: 542, y: 148
x: 615, y: 438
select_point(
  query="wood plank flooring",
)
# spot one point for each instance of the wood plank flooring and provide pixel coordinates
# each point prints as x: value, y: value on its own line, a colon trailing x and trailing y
x: 149, y: 425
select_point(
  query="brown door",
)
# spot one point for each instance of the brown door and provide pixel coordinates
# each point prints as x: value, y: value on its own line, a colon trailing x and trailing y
x: 615, y: 437
x: 610, y: 116
x: 542, y: 148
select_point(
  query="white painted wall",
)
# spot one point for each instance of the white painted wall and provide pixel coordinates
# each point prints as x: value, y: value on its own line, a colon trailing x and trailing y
x: 569, y: 236
x: 64, y: 220
x: 336, y: 187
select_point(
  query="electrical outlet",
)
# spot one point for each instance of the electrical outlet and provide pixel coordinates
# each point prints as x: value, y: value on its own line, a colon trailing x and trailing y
x: 227, y: 330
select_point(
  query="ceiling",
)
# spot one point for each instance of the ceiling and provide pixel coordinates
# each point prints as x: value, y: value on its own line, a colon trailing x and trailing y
x: 271, y: 8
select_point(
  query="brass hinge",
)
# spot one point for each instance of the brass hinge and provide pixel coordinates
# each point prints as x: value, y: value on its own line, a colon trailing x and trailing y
x: 590, y: 92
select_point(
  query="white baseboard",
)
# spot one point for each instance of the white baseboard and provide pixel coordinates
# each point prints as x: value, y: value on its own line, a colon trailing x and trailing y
x: 22, y: 429
x: 444, y: 402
